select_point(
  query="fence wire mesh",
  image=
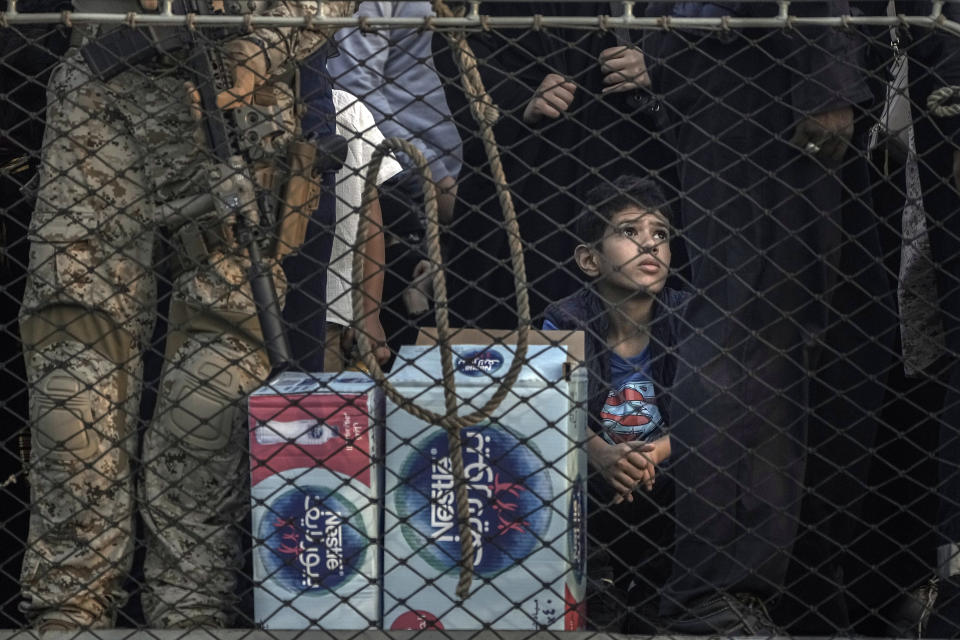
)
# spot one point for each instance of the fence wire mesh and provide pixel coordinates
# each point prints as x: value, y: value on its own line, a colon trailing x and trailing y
x: 227, y: 402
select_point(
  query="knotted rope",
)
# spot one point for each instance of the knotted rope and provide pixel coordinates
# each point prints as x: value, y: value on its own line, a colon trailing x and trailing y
x: 938, y: 102
x: 486, y: 114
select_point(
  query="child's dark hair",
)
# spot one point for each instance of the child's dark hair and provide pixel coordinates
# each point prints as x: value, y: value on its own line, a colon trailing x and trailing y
x: 608, y: 198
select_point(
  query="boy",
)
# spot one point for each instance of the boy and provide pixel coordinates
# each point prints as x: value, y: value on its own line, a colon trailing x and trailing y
x: 624, y: 311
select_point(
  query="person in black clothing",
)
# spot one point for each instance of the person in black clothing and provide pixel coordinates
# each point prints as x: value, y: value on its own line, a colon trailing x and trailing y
x: 934, y: 63
x: 570, y: 119
x: 759, y: 121
x: 891, y: 567
x: 847, y: 408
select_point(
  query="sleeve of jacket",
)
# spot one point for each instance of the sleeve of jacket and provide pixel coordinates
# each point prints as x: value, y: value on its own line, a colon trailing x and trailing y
x: 553, y: 316
x: 401, y: 89
x: 361, y: 65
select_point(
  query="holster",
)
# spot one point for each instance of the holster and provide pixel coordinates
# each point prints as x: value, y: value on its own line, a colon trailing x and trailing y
x: 308, y: 161
x: 301, y: 197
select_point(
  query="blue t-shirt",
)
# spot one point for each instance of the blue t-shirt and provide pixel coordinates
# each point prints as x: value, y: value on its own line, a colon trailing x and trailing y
x: 630, y: 411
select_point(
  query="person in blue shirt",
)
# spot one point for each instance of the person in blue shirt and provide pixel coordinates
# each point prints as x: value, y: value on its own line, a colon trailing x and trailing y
x: 626, y: 314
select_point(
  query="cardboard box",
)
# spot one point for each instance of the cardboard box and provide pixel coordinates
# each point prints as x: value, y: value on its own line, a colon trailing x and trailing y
x: 315, y: 492
x: 526, y: 469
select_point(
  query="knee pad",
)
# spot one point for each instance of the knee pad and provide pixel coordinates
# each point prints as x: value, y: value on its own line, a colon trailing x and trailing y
x: 78, y: 383
x: 62, y: 408
x: 203, y: 407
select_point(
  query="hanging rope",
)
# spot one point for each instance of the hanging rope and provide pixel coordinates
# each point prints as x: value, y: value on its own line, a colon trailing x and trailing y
x: 449, y: 421
x: 939, y: 102
x: 486, y: 114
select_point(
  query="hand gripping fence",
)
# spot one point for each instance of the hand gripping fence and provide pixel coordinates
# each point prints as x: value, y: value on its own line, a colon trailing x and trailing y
x: 486, y: 114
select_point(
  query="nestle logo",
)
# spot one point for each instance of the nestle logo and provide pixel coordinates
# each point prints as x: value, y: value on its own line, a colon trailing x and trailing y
x: 509, y: 495
x: 477, y: 363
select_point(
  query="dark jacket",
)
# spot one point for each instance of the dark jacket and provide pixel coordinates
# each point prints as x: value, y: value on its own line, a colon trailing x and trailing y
x: 586, y: 311
x: 824, y: 63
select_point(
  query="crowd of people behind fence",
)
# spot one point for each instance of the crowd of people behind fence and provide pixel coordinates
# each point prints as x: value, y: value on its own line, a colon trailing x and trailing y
x: 764, y: 267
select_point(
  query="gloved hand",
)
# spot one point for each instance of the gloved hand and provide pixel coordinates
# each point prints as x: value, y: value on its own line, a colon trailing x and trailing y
x: 249, y: 62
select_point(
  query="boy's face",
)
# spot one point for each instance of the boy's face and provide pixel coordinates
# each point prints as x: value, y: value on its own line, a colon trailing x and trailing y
x: 634, y: 254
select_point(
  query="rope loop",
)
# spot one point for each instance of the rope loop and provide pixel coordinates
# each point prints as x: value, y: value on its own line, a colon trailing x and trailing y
x: 945, y: 102
x: 485, y: 112
x: 450, y: 421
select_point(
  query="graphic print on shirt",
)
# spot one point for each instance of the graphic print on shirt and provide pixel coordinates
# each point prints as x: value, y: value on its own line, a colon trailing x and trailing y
x: 631, y: 413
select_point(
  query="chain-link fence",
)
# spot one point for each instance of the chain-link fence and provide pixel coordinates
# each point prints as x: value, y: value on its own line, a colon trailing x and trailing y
x: 570, y: 316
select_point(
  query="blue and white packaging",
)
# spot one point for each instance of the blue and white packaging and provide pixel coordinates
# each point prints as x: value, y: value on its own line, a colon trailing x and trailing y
x: 526, y: 472
x: 315, y: 490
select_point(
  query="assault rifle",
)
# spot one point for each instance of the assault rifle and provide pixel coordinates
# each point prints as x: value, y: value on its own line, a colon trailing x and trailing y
x: 233, y: 193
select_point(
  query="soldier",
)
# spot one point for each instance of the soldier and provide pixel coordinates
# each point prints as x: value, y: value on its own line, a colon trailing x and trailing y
x: 116, y: 151
x: 28, y: 54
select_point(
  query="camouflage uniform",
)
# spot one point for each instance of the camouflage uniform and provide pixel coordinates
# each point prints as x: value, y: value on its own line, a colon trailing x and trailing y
x: 112, y: 152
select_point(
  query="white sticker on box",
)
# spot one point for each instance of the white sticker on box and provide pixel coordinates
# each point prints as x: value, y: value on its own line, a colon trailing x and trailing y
x: 305, y: 431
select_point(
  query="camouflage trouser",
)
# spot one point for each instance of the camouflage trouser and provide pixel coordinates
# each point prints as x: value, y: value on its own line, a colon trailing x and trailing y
x: 87, y: 316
